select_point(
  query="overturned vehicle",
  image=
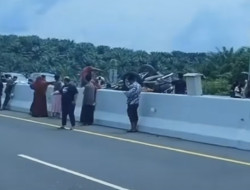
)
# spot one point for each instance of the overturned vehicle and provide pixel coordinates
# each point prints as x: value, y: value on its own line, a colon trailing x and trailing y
x: 150, y: 79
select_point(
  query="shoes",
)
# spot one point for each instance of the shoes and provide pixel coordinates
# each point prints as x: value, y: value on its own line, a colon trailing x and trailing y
x: 132, y: 131
x: 62, y: 127
x: 87, y: 124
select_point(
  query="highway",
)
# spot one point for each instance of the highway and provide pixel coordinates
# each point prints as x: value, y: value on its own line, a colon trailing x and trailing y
x: 36, y: 155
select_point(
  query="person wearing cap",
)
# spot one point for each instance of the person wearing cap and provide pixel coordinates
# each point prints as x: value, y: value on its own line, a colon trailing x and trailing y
x: 69, y: 95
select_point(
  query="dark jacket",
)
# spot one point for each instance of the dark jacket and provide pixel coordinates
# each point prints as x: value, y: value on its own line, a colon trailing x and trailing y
x: 9, y: 86
x: 1, y: 88
x: 180, y: 86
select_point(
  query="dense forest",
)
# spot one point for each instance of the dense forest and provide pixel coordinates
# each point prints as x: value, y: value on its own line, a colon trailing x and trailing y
x: 28, y: 54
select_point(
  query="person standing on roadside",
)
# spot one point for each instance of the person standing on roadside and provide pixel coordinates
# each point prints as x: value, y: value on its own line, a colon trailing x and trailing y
x: 239, y: 91
x: 1, y: 91
x: 180, y: 85
x: 39, y: 104
x: 56, y: 98
x: 89, y: 78
x: 69, y: 95
x: 9, y: 91
x: 89, y: 101
x: 133, y: 97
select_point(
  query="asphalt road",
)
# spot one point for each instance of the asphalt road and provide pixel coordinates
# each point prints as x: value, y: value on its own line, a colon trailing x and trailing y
x: 38, y: 156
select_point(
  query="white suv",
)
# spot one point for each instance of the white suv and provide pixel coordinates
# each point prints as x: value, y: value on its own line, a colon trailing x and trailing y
x: 49, y: 76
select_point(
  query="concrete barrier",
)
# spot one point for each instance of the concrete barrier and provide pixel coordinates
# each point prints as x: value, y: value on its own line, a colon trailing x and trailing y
x: 23, y: 97
x: 111, y: 109
x: 214, y: 120
x: 209, y: 119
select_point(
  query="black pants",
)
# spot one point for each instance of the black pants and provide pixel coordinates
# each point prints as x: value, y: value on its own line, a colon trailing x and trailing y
x: 6, y: 100
x: 0, y: 101
x: 132, y: 112
x: 68, y: 109
x: 31, y: 106
x: 87, y: 114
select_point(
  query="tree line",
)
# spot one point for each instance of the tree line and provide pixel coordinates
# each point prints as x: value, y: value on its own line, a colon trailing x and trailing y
x: 28, y: 54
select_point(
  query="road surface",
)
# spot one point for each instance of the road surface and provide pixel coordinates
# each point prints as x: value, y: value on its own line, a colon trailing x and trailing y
x: 35, y: 155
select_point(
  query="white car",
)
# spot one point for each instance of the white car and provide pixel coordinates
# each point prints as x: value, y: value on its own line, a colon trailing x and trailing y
x: 49, y: 76
x: 20, y: 77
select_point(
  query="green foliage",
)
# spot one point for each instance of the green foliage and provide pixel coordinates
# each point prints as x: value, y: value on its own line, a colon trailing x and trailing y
x: 32, y: 54
x: 216, y: 87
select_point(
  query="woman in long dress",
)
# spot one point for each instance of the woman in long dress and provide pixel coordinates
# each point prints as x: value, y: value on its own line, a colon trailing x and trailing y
x: 39, y: 105
x: 56, y: 98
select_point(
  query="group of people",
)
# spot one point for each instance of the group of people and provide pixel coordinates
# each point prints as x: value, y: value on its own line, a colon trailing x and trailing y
x: 63, y: 99
x: 92, y: 84
x: 39, y: 105
x: 65, y: 95
x: 11, y: 82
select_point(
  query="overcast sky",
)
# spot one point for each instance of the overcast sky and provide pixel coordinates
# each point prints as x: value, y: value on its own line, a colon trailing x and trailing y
x: 151, y: 25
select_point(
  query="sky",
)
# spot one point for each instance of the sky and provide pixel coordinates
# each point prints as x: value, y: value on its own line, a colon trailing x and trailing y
x: 150, y: 25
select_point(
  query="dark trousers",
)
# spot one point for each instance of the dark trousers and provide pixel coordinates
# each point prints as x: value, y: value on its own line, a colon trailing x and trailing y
x: 0, y: 101
x: 6, y: 100
x: 87, y: 114
x: 68, y: 109
x: 132, y: 112
x: 31, y: 106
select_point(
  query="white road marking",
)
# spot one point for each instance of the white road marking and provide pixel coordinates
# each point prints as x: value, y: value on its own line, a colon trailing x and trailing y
x: 72, y: 172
